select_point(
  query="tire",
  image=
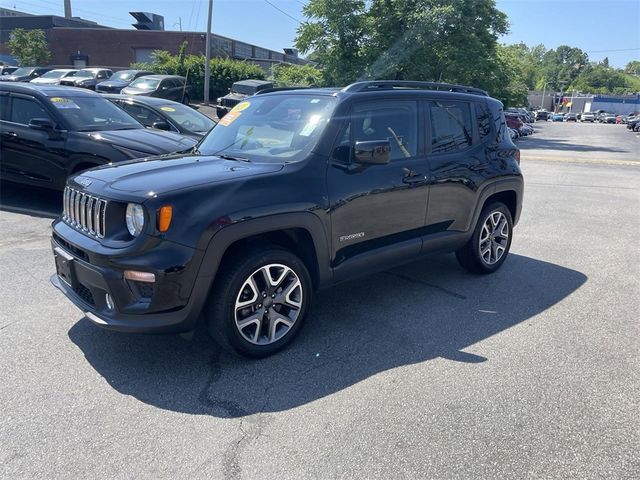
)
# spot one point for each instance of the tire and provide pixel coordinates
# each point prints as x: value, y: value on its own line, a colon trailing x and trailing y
x: 186, y: 100
x: 474, y: 256
x: 259, y: 323
x: 220, y: 112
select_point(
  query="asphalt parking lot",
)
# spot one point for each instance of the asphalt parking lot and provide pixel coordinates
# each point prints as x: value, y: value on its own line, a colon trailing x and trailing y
x: 423, y: 371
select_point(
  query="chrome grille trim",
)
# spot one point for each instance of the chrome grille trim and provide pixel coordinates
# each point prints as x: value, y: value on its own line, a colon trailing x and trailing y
x: 84, y: 212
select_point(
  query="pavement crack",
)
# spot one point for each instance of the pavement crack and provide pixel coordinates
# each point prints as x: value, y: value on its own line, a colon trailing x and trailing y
x: 427, y: 284
x: 229, y: 408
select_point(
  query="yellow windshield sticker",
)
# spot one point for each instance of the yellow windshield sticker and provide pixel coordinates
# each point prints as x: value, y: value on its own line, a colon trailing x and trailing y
x: 167, y: 109
x: 229, y: 118
x: 61, y: 102
x: 241, y: 106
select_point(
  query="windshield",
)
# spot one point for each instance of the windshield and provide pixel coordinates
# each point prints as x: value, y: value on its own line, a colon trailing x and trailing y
x: 271, y: 128
x: 124, y: 75
x: 90, y: 114
x: 144, y: 83
x: 23, y: 71
x: 57, y: 74
x: 188, y: 118
x: 85, y: 74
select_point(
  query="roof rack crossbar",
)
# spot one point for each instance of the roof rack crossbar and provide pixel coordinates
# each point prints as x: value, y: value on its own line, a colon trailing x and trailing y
x: 390, y: 84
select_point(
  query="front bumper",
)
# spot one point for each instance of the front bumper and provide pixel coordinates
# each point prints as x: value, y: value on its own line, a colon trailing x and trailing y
x: 171, y: 304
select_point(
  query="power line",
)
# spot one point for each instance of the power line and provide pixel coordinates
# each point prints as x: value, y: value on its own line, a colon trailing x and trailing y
x: 617, y: 50
x: 283, y: 12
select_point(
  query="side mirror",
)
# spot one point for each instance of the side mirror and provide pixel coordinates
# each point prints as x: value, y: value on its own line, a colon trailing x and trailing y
x: 373, y: 152
x: 161, y: 125
x: 41, y: 124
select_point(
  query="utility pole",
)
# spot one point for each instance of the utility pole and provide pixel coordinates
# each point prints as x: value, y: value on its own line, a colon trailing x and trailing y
x: 207, y: 55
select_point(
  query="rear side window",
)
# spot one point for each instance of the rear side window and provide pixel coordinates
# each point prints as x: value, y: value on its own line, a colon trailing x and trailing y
x: 450, y: 126
x: 24, y: 110
x: 4, y: 107
x: 483, y: 120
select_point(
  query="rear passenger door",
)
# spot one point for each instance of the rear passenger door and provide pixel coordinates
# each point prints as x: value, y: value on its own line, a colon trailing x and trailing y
x: 458, y: 133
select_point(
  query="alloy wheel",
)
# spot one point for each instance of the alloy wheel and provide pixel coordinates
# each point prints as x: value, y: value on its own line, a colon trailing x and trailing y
x: 494, y: 238
x: 268, y: 304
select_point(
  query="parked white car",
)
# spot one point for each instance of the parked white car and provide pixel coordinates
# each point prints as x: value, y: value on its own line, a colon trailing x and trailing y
x: 53, y: 77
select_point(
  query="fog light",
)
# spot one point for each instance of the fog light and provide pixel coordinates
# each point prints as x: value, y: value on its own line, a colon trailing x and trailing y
x: 109, y: 301
x: 139, y: 276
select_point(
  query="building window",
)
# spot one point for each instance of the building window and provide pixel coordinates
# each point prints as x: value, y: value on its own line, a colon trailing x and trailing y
x: 261, y: 53
x: 277, y: 56
x: 144, y: 54
x: 221, y: 47
x: 243, y: 50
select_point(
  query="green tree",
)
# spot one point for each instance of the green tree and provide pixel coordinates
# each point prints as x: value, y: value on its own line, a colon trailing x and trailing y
x: 633, y: 68
x: 29, y: 46
x: 335, y: 32
x: 285, y: 75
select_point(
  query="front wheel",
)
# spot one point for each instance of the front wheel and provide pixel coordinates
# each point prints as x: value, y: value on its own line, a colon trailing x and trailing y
x: 259, y: 302
x: 489, y: 245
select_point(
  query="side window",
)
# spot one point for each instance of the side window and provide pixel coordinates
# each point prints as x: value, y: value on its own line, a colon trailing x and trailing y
x: 142, y: 114
x: 483, y: 120
x: 450, y: 126
x: 392, y: 120
x: 24, y: 110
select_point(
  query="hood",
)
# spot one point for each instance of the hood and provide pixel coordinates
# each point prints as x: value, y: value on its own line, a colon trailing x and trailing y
x: 235, y: 96
x: 14, y: 78
x: 84, y: 80
x: 46, y: 81
x: 145, y: 141
x: 114, y: 83
x: 137, y: 180
x: 136, y: 91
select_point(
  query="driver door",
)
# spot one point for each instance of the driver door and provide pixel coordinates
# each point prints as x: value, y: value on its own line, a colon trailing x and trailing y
x: 378, y: 211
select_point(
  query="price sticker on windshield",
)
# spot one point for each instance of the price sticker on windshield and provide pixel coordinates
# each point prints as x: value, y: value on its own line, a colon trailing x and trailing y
x: 167, y: 109
x: 229, y: 118
x: 241, y: 106
x: 61, y: 102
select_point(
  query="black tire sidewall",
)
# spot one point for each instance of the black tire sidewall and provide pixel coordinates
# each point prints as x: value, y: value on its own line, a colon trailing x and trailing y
x: 222, y: 322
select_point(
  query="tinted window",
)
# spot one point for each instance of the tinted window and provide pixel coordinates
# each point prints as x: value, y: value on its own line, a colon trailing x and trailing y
x: 483, y: 120
x: 24, y: 110
x: 144, y: 115
x: 188, y: 118
x: 450, y: 126
x: 4, y: 107
x: 92, y: 113
x: 392, y: 120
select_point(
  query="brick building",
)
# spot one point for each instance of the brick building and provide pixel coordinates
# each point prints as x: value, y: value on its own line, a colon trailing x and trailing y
x: 80, y: 43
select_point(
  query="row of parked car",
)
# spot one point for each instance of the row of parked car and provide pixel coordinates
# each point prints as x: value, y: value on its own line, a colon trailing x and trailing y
x: 519, y: 122
x: 591, y: 117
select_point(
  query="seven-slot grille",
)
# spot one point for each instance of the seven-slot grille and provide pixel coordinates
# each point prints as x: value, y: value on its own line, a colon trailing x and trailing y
x: 84, y: 212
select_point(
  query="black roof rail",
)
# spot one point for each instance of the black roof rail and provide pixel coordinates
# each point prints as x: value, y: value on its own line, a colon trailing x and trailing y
x: 390, y: 84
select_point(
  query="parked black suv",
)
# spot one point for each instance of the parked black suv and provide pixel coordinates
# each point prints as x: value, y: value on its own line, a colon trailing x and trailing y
x: 293, y: 191
x: 238, y: 92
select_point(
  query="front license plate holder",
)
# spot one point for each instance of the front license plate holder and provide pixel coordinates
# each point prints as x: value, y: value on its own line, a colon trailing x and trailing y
x: 65, y: 266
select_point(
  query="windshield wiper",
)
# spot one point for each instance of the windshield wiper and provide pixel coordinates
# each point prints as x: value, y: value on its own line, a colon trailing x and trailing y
x: 233, y: 157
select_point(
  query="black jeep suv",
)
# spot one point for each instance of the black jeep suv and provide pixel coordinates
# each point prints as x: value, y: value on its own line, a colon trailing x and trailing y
x: 293, y: 191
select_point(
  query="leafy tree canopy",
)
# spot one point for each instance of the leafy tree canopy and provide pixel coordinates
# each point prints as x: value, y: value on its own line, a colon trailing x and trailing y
x: 29, y: 46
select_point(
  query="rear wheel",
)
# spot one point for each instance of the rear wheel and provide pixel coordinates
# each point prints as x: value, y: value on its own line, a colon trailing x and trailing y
x: 489, y: 245
x: 186, y: 100
x: 259, y: 302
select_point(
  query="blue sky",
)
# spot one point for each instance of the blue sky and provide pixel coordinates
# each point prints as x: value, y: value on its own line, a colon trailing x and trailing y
x: 603, y: 28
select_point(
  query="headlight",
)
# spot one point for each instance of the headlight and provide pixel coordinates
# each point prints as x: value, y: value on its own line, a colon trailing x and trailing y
x: 134, y: 218
x: 219, y: 100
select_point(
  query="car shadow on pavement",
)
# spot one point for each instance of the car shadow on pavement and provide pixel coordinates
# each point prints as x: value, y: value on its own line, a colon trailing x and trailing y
x: 411, y: 314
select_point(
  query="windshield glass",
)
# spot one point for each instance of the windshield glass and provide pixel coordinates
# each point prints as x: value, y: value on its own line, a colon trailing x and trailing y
x: 84, y: 74
x: 144, y: 83
x: 188, y: 118
x: 124, y: 75
x: 90, y: 114
x: 23, y: 71
x: 56, y: 74
x: 243, y: 89
x: 271, y: 128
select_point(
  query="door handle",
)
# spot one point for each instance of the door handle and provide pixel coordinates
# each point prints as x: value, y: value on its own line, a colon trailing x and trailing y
x: 9, y: 134
x: 415, y: 179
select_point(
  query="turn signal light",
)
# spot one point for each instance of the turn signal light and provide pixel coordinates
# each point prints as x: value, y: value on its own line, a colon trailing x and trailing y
x: 164, y: 218
x: 139, y: 276
x: 518, y: 156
